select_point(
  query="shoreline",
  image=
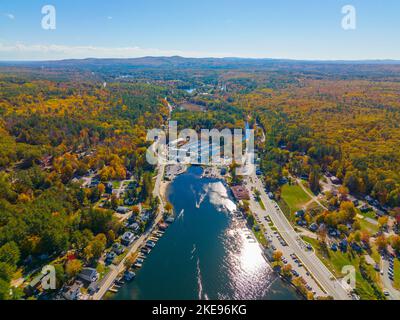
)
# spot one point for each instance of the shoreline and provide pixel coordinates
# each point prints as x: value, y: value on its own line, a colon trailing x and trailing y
x: 164, y: 190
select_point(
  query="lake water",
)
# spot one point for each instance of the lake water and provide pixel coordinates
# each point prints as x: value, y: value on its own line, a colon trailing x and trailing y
x: 205, y: 253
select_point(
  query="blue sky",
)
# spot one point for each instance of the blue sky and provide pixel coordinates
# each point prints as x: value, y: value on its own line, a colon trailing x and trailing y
x: 295, y: 29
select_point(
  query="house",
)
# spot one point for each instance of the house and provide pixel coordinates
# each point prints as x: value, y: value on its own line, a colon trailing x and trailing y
x: 134, y: 226
x: 313, y: 227
x: 34, y: 286
x: 94, y: 183
x: 129, y: 202
x: 122, y: 210
x: 73, y: 292
x: 109, y: 188
x: 283, y: 181
x: 118, y: 248
x: 369, y: 199
x: 356, y: 247
x: 146, y: 215
x: 300, y: 214
x: 240, y: 193
x: 335, y: 180
x: 343, y: 245
x: 110, y: 257
x: 380, y: 213
x: 127, y: 238
x: 89, y: 275
x: 46, y: 162
x: 93, y: 288
x: 301, y: 222
x: 365, y: 208
x: 333, y: 232
x: 271, y: 195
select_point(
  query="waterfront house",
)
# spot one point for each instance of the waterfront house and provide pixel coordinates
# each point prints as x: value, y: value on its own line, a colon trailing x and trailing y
x: 73, y: 292
x: 118, y: 248
x: 89, y: 275
x: 93, y: 288
x: 134, y: 227
x: 127, y: 238
x: 110, y: 257
x: 240, y: 193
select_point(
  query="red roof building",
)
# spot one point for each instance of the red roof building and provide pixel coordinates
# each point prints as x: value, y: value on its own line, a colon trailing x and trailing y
x: 240, y: 193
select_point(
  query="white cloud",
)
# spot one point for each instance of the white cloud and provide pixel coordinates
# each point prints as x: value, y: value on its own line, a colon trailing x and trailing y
x: 109, y: 18
x: 10, y: 16
x: 20, y: 51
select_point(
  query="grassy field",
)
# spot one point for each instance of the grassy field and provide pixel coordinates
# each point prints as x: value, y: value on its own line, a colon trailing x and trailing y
x: 260, y: 236
x: 102, y: 270
x: 295, y: 198
x: 396, y: 272
x: 335, y: 261
x: 261, y: 204
x: 365, y: 225
x: 369, y: 214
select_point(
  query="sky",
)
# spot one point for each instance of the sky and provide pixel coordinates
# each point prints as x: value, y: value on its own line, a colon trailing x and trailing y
x: 289, y: 29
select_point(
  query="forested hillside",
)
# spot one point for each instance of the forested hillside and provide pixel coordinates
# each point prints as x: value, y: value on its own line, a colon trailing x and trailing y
x: 52, y: 134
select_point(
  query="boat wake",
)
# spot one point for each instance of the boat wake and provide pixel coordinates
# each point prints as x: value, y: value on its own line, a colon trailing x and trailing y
x: 220, y: 199
x: 202, y: 197
x: 200, y: 281
x: 181, y: 214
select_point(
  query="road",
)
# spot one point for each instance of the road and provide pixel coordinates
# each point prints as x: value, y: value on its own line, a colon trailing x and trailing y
x: 272, y: 238
x: 309, y: 259
x: 387, y: 283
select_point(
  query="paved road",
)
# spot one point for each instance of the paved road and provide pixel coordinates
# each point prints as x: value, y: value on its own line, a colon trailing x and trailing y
x: 272, y: 238
x: 387, y: 283
x: 309, y: 259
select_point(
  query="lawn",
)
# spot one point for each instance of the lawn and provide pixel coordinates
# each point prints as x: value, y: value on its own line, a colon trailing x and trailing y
x: 102, y: 270
x: 295, y: 198
x: 261, y: 204
x: 116, y: 184
x: 335, y: 261
x: 260, y: 236
x: 365, y: 225
x: 369, y: 214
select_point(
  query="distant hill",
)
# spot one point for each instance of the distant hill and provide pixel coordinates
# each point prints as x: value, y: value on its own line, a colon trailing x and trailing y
x: 181, y: 62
